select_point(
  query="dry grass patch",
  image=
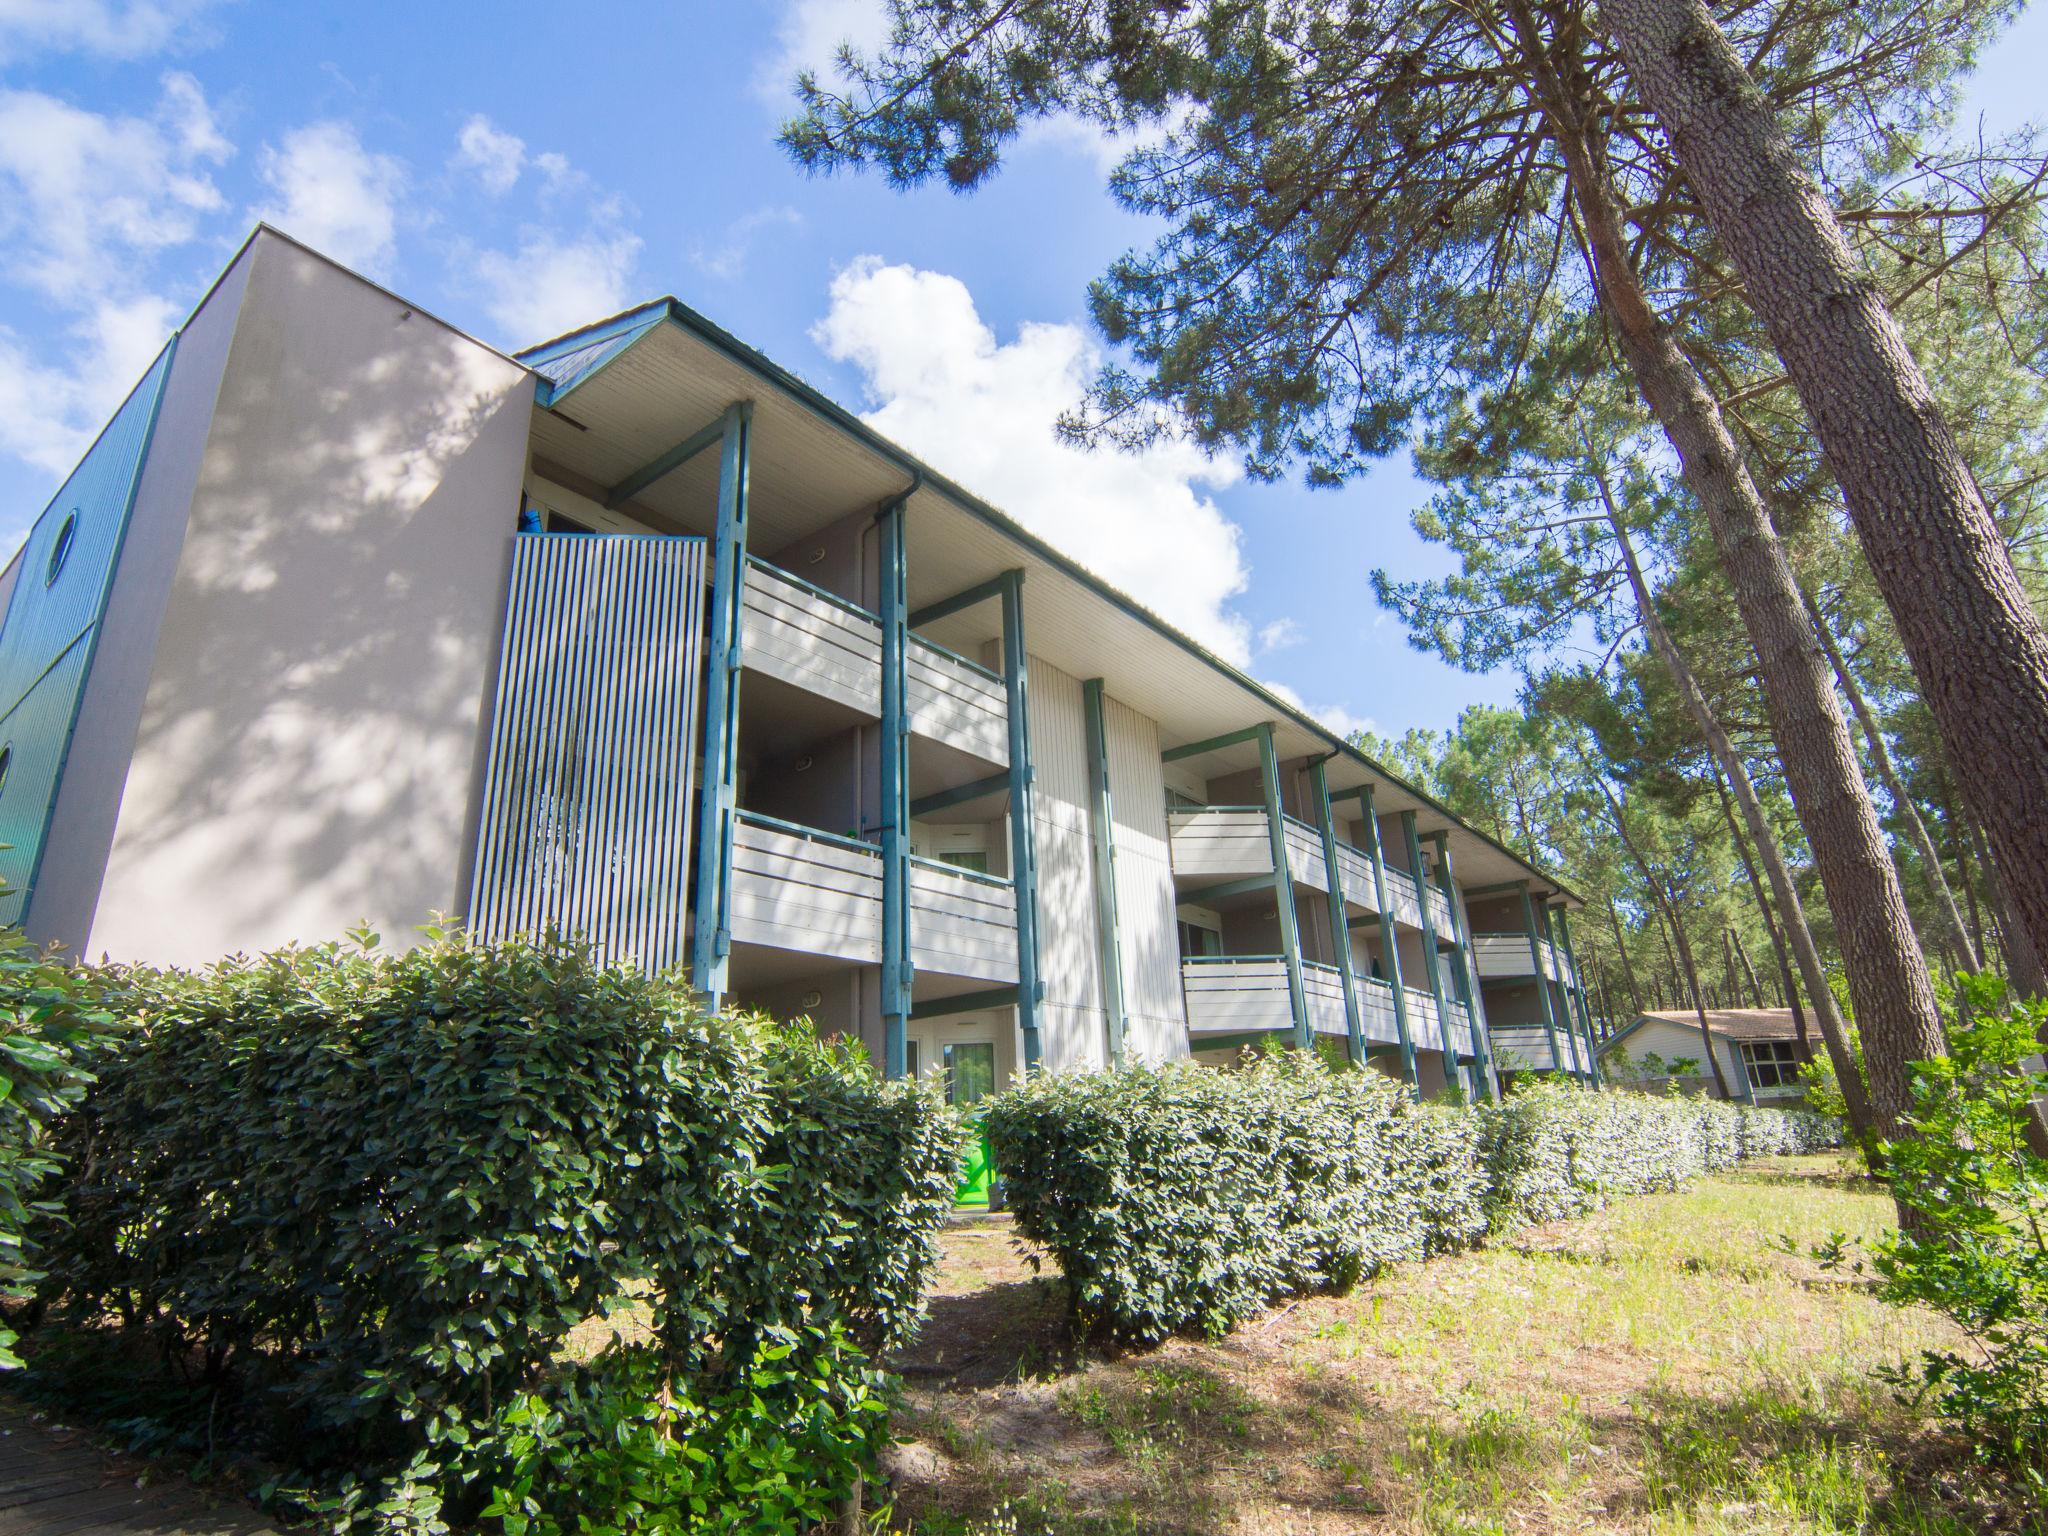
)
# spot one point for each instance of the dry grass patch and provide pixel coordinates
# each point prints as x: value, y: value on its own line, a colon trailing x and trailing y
x: 1654, y: 1368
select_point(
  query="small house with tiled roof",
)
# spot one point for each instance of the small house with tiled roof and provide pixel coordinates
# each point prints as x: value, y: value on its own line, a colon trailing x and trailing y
x: 1759, y: 1049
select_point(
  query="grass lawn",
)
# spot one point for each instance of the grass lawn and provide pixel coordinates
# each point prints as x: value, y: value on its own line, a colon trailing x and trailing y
x: 1655, y: 1368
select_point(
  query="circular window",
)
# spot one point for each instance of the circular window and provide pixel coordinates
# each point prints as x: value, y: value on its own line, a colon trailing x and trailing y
x: 6, y: 762
x: 60, y: 550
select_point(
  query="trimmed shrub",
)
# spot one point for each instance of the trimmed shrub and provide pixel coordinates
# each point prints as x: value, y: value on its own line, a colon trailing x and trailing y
x: 1183, y: 1198
x: 50, y: 1025
x: 388, y: 1187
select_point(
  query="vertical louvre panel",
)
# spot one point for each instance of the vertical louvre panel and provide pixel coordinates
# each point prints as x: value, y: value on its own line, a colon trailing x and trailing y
x: 586, y: 806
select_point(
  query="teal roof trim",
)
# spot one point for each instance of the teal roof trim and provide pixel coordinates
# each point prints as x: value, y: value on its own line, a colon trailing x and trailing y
x: 568, y: 360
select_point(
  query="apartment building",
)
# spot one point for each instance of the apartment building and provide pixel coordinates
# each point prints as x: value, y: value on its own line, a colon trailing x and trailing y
x: 348, y: 618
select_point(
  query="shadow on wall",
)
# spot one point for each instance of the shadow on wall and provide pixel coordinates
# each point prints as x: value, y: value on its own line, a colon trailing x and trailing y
x: 314, y: 724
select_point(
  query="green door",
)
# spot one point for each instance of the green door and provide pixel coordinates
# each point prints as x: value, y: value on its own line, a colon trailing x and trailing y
x: 970, y: 1078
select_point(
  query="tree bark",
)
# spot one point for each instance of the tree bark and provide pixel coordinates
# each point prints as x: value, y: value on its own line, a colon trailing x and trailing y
x: 1667, y: 907
x: 2022, y: 961
x: 1756, y: 988
x: 1977, y: 647
x: 1863, y: 1118
x: 1628, y: 970
x: 1895, y: 786
x: 1888, y: 982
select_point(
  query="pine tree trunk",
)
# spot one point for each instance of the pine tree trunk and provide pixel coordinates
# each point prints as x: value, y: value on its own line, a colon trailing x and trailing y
x: 1862, y: 1116
x: 1895, y: 786
x: 1977, y: 647
x: 1888, y: 982
x: 1667, y: 907
x: 1628, y: 970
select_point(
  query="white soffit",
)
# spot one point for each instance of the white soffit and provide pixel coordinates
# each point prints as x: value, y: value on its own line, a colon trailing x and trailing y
x: 807, y: 470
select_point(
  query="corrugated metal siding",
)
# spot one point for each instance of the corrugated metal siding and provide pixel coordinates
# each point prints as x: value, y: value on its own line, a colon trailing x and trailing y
x: 1155, y: 1013
x: 1072, y: 1029
x: 586, y: 799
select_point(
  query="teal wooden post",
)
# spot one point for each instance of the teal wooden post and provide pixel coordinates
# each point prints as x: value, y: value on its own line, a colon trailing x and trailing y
x: 1482, y: 1029
x: 1390, y: 944
x: 718, y: 800
x: 1480, y: 1067
x: 1283, y: 887
x: 1340, y: 931
x: 1578, y: 992
x: 898, y: 979
x: 1432, y: 962
x: 1557, y: 1060
x: 1102, y: 828
x: 1023, y: 847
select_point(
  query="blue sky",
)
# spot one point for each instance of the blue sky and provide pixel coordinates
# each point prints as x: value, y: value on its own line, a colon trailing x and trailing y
x: 518, y: 169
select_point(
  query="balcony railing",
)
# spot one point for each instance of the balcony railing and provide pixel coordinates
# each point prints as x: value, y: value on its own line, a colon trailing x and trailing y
x: 1526, y: 1048
x: 797, y: 888
x: 1503, y: 956
x: 820, y: 642
x: 962, y: 923
x: 1245, y: 994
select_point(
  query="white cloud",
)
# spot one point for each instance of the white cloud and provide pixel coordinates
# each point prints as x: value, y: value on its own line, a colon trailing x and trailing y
x: 983, y: 411
x: 88, y: 204
x: 552, y: 285
x: 728, y: 259
x: 808, y: 35
x: 1279, y: 635
x: 335, y: 195
x: 84, y: 198
x: 118, y: 29
x: 1335, y: 716
x: 48, y: 415
x: 494, y: 156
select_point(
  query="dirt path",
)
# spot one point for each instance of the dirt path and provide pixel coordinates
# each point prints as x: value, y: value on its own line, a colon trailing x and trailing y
x: 56, y: 1482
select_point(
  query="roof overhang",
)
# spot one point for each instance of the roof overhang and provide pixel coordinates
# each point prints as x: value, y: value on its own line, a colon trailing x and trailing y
x: 614, y: 398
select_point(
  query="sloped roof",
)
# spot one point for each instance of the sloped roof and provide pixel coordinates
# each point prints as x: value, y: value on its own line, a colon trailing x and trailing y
x: 1731, y: 1023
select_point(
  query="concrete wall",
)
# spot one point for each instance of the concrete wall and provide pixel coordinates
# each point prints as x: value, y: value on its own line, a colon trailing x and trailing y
x: 89, y: 797
x: 312, y: 731
x: 1155, y: 1014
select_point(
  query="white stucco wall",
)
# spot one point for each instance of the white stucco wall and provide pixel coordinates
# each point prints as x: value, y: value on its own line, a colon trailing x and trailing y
x: 313, y: 722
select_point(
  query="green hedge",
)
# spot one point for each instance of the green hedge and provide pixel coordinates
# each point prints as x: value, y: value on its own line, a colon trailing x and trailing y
x: 385, y: 1188
x: 51, y: 1025
x: 1182, y: 1197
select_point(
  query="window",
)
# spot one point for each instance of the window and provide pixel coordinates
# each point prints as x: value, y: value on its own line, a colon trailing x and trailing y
x: 560, y: 524
x: 970, y: 1072
x: 910, y: 1059
x: 60, y: 549
x: 1771, y: 1063
x: 1176, y: 801
x: 1197, y: 940
x: 966, y: 858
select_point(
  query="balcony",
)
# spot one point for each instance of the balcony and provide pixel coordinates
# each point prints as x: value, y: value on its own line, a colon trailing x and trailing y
x: 962, y: 923
x: 1526, y: 1048
x: 830, y: 648
x: 1247, y: 994
x: 797, y: 888
x: 1230, y: 842
x: 801, y: 889
x: 1506, y: 956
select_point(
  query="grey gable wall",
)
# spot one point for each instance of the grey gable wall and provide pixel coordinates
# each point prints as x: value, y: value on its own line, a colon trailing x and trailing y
x: 310, y: 736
